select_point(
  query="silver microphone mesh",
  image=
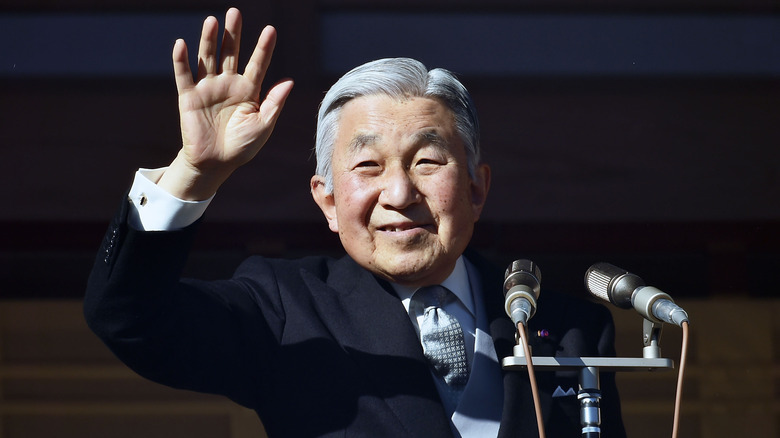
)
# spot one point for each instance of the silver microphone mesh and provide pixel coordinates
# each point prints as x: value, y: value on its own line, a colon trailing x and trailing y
x: 597, y: 283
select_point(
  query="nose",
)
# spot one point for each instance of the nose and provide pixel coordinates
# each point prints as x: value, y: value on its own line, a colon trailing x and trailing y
x: 398, y: 189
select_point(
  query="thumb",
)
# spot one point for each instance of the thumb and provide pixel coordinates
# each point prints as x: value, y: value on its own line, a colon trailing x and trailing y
x: 274, y: 101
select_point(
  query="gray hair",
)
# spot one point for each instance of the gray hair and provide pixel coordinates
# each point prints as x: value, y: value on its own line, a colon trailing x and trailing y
x: 400, y: 78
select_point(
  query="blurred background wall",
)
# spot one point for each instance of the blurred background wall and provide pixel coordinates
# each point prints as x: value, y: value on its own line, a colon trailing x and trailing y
x: 643, y: 133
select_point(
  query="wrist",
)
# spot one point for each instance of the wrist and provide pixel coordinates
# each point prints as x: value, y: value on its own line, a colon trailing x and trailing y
x: 189, y: 183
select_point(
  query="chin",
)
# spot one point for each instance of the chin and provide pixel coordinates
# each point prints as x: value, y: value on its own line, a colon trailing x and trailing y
x: 415, y: 274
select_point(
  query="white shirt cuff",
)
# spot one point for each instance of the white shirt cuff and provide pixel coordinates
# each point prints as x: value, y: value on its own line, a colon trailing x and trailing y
x: 154, y: 209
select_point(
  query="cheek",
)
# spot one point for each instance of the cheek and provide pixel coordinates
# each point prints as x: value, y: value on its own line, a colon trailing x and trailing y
x: 354, y: 200
x: 449, y: 196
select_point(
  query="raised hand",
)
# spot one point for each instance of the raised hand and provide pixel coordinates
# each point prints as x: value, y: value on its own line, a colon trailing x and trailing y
x: 223, y: 122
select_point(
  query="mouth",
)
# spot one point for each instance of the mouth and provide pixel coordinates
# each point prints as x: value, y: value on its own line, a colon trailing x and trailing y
x: 395, y: 228
x: 402, y: 227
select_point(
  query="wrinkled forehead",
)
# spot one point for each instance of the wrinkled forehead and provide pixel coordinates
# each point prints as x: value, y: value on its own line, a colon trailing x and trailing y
x: 417, y: 112
x: 370, y: 121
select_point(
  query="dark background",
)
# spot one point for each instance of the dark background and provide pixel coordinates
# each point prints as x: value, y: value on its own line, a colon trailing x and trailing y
x: 640, y: 133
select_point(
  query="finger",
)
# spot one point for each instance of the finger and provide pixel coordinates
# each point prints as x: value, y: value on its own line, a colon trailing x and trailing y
x: 261, y: 57
x: 231, y: 41
x: 274, y: 101
x: 207, y: 50
x: 181, y: 66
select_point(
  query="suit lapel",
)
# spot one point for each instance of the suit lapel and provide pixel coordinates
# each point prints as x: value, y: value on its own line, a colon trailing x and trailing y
x: 371, y: 324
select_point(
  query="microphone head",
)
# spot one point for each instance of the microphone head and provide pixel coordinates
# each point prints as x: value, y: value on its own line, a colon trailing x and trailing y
x: 613, y: 284
x: 522, y: 283
x: 523, y: 272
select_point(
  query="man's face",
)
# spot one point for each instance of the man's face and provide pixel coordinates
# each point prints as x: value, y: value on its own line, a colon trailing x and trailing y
x: 403, y: 202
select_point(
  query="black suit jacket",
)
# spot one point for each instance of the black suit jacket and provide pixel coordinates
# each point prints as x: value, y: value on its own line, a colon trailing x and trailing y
x: 319, y: 346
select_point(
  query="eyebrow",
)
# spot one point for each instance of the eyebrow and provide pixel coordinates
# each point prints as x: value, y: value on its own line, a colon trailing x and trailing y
x: 359, y: 141
x: 431, y: 137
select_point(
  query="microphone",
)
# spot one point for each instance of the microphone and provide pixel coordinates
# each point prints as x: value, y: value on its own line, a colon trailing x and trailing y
x: 521, y: 289
x: 626, y: 290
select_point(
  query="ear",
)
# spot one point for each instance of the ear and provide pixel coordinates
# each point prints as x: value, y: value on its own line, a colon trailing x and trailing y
x: 480, y: 185
x: 325, y: 201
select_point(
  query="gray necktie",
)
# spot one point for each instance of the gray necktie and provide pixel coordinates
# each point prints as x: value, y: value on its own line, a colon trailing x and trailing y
x: 442, y: 337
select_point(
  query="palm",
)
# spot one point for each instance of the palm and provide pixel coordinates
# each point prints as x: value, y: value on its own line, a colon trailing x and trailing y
x: 220, y: 121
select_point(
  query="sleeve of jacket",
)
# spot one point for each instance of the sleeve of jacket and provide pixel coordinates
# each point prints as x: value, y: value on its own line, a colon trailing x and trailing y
x: 186, y: 334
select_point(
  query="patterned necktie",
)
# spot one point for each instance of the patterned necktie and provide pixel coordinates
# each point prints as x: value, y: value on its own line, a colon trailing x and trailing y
x: 442, y: 337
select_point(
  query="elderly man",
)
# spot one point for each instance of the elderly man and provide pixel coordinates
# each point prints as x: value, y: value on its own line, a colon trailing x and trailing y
x: 403, y: 336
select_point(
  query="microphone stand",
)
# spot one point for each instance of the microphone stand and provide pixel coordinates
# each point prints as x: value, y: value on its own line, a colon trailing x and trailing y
x: 589, y: 393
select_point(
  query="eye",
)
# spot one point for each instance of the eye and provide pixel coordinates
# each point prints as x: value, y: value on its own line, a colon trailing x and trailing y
x: 431, y: 156
x: 366, y: 164
x: 430, y: 162
x: 367, y: 168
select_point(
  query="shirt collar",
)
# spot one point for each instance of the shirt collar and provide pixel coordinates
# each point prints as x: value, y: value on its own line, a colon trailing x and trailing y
x: 457, y: 282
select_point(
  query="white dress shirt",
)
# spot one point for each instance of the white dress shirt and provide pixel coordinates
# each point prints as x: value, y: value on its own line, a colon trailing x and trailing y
x: 479, y: 412
x: 157, y: 210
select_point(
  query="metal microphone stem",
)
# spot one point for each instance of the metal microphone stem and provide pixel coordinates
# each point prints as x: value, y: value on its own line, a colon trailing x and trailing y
x: 589, y: 396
